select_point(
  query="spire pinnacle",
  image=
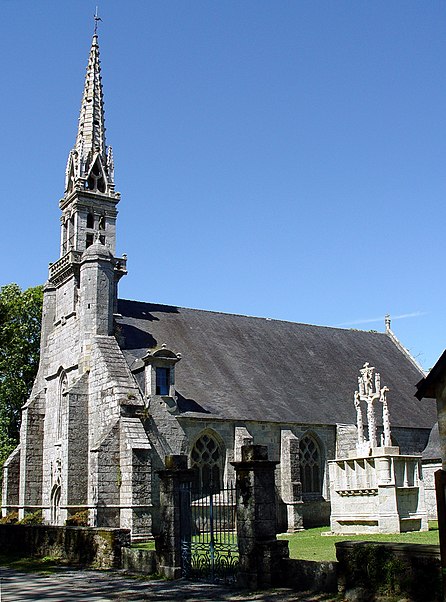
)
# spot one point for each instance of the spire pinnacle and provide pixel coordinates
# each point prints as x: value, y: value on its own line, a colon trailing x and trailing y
x: 88, y: 162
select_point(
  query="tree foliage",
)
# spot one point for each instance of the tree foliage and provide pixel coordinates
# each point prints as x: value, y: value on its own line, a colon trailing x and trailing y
x: 20, y: 322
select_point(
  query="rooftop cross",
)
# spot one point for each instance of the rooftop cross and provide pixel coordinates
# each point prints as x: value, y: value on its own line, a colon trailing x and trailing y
x: 96, y: 18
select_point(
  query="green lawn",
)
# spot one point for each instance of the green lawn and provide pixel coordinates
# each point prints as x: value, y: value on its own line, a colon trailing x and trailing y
x: 311, y: 545
x: 146, y: 545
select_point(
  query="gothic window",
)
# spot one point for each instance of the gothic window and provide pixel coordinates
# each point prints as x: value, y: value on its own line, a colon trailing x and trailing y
x: 55, y: 504
x: 162, y: 381
x: 63, y: 383
x: 207, y: 459
x: 89, y: 240
x: 310, y: 465
x: 90, y: 220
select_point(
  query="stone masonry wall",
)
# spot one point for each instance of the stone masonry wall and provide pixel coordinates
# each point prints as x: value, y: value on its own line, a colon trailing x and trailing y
x: 410, y: 441
x: 77, y: 452
x: 11, y: 479
x: 262, y: 434
x: 96, y: 548
x: 429, y: 471
x: 31, y: 452
x: 109, y: 480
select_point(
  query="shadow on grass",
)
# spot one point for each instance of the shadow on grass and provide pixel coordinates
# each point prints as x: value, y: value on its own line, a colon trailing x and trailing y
x: 46, y: 565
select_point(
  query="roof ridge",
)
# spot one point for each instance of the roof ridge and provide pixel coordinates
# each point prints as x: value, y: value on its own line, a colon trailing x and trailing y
x: 267, y: 319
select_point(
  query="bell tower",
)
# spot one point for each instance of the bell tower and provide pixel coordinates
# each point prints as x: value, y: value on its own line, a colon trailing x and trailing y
x: 89, y: 210
x: 89, y: 203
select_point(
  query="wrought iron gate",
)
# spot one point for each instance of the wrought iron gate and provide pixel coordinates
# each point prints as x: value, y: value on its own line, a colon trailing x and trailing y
x: 209, y: 547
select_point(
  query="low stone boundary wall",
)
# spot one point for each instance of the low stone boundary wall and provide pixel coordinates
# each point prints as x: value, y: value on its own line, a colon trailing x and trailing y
x: 306, y: 575
x: 88, y: 546
x: 368, y: 570
x: 139, y: 561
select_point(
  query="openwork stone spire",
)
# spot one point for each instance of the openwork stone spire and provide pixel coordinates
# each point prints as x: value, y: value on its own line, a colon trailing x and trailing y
x: 90, y: 163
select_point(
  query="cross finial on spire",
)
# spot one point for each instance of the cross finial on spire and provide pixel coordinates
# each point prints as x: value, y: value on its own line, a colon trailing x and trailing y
x: 96, y: 18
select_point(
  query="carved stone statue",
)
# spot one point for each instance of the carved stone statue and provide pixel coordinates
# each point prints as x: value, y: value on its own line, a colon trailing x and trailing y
x: 359, y: 421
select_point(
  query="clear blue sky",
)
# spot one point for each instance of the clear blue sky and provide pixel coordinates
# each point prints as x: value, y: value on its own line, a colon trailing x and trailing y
x: 285, y: 159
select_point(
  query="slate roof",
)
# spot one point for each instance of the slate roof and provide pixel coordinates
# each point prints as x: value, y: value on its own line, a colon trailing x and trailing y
x: 247, y: 368
x: 427, y: 385
x: 432, y: 451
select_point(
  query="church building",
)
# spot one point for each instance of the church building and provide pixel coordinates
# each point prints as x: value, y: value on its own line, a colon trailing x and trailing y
x: 121, y: 384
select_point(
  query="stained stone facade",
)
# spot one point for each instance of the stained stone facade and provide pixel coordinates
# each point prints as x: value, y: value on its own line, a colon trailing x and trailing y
x: 122, y: 384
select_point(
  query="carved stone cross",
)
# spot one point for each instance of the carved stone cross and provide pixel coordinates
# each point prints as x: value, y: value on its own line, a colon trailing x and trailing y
x: 370, y: 391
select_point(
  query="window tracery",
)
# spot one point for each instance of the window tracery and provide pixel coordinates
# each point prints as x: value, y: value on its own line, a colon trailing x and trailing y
x: 207, y: 459
x: 310, y: 465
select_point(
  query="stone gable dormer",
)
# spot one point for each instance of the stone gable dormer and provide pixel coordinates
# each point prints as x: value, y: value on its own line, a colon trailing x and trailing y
x: 160, y: 374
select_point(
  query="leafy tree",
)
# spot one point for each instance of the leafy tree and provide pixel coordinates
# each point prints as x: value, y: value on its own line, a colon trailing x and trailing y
x: 20, y: 321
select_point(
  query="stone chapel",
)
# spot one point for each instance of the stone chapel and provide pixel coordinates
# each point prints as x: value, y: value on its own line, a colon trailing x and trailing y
x: 122, y: 383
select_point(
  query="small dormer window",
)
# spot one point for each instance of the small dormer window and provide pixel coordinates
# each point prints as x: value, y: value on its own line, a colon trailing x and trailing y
x: 162, y: 381
x: 160, y: 372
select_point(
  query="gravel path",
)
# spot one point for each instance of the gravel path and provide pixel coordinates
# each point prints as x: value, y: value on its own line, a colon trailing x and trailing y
x: 71, y: 585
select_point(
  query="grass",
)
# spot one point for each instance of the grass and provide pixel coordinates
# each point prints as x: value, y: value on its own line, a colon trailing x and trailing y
x: 146, y: 545
x: 311, y: 545
x: 305, y: 545
x: 45, y: 565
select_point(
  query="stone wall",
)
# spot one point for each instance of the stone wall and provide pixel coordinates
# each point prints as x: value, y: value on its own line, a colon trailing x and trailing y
x: 96, y: 548
x: 136, y: 560
x: 410, y: 440
x: 368, y: 570
x: 76, y: 436
x: 31, y: 437
x: 315, y: 512
x: 11, y: 478
x: 429, y: 471
x: 305, y: 575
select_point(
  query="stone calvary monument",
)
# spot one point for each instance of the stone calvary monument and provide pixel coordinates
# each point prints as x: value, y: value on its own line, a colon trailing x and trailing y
x: 376, y: 489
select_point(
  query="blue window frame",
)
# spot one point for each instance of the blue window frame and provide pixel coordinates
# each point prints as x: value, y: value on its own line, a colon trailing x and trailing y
x: 162, y: 381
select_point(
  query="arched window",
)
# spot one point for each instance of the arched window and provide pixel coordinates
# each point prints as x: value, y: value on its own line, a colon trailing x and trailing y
x: 63, y: 384
x: 207, y: 459
x: 55, y: 504
x: 310, y: 465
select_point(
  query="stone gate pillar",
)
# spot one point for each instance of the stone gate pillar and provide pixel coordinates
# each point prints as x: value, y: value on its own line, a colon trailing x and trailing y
x: 260, y: 552
x: 168, y: 542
